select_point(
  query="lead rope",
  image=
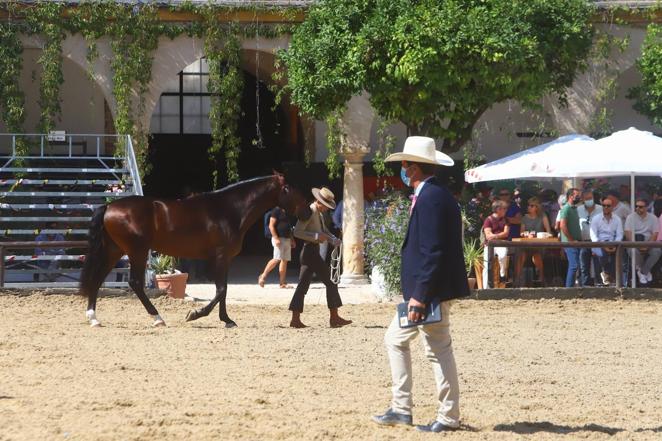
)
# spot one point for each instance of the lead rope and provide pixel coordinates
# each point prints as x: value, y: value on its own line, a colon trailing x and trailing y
x: 336, y: 258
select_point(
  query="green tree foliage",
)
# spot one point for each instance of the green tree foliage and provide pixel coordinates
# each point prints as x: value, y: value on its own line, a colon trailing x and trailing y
x: 648, y: 95
x: 436, y: 65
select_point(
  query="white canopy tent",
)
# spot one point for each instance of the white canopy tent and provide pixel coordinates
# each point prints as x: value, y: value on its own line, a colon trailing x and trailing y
x: 540, y: 162
x: 628, y: 152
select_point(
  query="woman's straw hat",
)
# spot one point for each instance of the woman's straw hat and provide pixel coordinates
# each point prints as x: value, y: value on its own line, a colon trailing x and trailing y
x: 325, y: 196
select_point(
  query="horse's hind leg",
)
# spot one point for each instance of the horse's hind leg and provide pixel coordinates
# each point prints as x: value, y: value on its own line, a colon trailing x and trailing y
x: 113, y: 254
x: 137, y: 283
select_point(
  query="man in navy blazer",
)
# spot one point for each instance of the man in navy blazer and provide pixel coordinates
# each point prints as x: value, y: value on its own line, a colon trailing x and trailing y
x: 432, y: 271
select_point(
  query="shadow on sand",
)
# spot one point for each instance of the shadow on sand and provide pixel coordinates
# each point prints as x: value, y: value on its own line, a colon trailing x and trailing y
x: 526, y: 427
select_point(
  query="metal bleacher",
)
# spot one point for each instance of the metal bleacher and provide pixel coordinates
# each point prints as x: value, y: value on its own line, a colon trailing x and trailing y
x: 48, y: 194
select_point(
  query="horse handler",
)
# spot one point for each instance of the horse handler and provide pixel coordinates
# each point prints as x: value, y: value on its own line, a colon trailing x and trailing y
x: 432, y: 271
x: 313, y: 231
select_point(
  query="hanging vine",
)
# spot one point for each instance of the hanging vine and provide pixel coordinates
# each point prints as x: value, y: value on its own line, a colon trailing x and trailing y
x: 385, y: 147
x: 333, y: 142
x: 12, y: 98
x: 134, y: 34
x: 46, y: 20
x: 133, y: 31
x: 11, y: 63
x: 225, y: 84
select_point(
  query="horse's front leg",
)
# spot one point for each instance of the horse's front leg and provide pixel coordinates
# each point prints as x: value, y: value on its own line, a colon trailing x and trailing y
x: 221, y: 279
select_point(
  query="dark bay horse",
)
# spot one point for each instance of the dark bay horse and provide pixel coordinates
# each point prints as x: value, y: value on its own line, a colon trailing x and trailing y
x: 207, y: 226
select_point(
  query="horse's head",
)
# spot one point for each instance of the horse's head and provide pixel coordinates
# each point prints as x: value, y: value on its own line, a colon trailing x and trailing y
x: 289, y: 198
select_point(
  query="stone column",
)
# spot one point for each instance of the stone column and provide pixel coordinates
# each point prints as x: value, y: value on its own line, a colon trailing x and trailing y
x: 353, y: 221
x: 355, y: 124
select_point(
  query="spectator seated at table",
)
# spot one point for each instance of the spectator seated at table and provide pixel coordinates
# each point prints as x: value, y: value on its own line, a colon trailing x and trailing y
x: 587, y: 211
x: 533, y: 222
x: 621, y: 209
x: 606, y: 227
x: 48, y: 236
x: 496, y: 228
x: 643, y: 226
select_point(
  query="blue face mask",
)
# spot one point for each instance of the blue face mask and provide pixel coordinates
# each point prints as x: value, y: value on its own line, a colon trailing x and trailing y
x: 589, y: 203
x: 404, y: 177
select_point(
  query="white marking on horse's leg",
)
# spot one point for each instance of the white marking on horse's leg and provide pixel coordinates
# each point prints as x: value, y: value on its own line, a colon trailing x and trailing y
x: 92, y: 317
x: 158, y: 321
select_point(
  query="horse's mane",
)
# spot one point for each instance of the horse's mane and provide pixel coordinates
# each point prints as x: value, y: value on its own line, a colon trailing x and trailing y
x: 241, y: 184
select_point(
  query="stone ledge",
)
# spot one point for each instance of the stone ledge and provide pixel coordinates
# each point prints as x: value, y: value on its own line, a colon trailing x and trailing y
x: 567, y: 293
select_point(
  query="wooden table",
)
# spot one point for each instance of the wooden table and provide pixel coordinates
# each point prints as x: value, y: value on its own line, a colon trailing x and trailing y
x: 537, y: 240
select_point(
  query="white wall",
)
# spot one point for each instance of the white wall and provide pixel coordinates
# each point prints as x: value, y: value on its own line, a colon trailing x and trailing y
x: 81, y: 100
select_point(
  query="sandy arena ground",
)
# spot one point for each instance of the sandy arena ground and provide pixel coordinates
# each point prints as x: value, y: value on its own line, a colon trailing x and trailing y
x: 548, y: 369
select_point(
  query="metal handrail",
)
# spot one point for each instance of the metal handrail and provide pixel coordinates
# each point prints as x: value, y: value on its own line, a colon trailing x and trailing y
x: 579, y: 244
x: 133, y: 167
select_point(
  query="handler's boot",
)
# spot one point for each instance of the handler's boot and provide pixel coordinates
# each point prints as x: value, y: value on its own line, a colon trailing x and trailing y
x: 296, y: 320
x: 335, y: 321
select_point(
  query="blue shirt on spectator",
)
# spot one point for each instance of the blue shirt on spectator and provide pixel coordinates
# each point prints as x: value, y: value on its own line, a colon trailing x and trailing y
x: 513, y: 210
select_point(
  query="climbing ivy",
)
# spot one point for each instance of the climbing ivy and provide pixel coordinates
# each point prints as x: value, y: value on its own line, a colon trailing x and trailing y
x: 225, y: 83
x: 333, y: 143
x: 12, y: 99
x: 648, y: 94
x: 46, y: 20
x: 133, y: 31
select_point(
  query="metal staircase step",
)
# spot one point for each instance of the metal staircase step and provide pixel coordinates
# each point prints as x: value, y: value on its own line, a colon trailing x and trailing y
x: 59, y: 181
x: 65, y: 193
x: 61, y: 170
x: 60, y: 285
x: 47, y: 257
x: 60, y: 271
x: 44, y: 219
x: 34, y: 232
x: 49, y: 206
x: 51, y: 157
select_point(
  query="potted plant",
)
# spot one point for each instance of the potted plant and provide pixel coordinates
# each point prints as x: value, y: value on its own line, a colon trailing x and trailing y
x: 473, y: 261
x: 167, y: 277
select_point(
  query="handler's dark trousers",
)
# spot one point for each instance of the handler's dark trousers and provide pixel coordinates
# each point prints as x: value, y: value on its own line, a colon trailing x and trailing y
x: 312, y: 263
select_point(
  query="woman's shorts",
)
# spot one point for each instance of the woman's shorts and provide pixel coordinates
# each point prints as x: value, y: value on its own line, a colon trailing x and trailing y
x: 284, y: 251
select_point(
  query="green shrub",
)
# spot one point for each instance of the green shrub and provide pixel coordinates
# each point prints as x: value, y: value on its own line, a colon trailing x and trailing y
x: 385, y: 229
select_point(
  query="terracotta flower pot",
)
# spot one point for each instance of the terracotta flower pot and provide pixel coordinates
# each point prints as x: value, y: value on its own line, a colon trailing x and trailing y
x: 472, y: 282
x: 173, y: 284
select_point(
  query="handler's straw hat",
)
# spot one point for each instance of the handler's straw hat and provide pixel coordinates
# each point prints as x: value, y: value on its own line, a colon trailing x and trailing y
x: 325, y: 196
x: 421, y: 149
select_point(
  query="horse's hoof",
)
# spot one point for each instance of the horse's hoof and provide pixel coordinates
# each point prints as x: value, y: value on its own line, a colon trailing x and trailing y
x: 230, y: 324
x: 193, y: 314
x: 94, y: 323
x: 158, y: 323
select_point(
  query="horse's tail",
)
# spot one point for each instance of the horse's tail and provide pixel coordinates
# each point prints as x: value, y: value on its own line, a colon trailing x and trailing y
x: 95, y: 263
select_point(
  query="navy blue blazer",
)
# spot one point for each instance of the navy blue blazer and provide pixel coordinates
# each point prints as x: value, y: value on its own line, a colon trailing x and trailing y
x: 432, y: 256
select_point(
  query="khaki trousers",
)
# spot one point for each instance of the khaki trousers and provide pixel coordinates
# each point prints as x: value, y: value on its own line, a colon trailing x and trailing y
x: 438, y: 347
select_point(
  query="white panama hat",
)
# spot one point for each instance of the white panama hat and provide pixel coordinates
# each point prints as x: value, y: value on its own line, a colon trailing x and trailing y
x: 421, y: 149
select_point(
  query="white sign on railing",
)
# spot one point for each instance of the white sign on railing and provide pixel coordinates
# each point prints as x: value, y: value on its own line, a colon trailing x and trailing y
x: 57, y: 135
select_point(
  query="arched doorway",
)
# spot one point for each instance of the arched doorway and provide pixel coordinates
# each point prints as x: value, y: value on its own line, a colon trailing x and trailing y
x: 180, y: 137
